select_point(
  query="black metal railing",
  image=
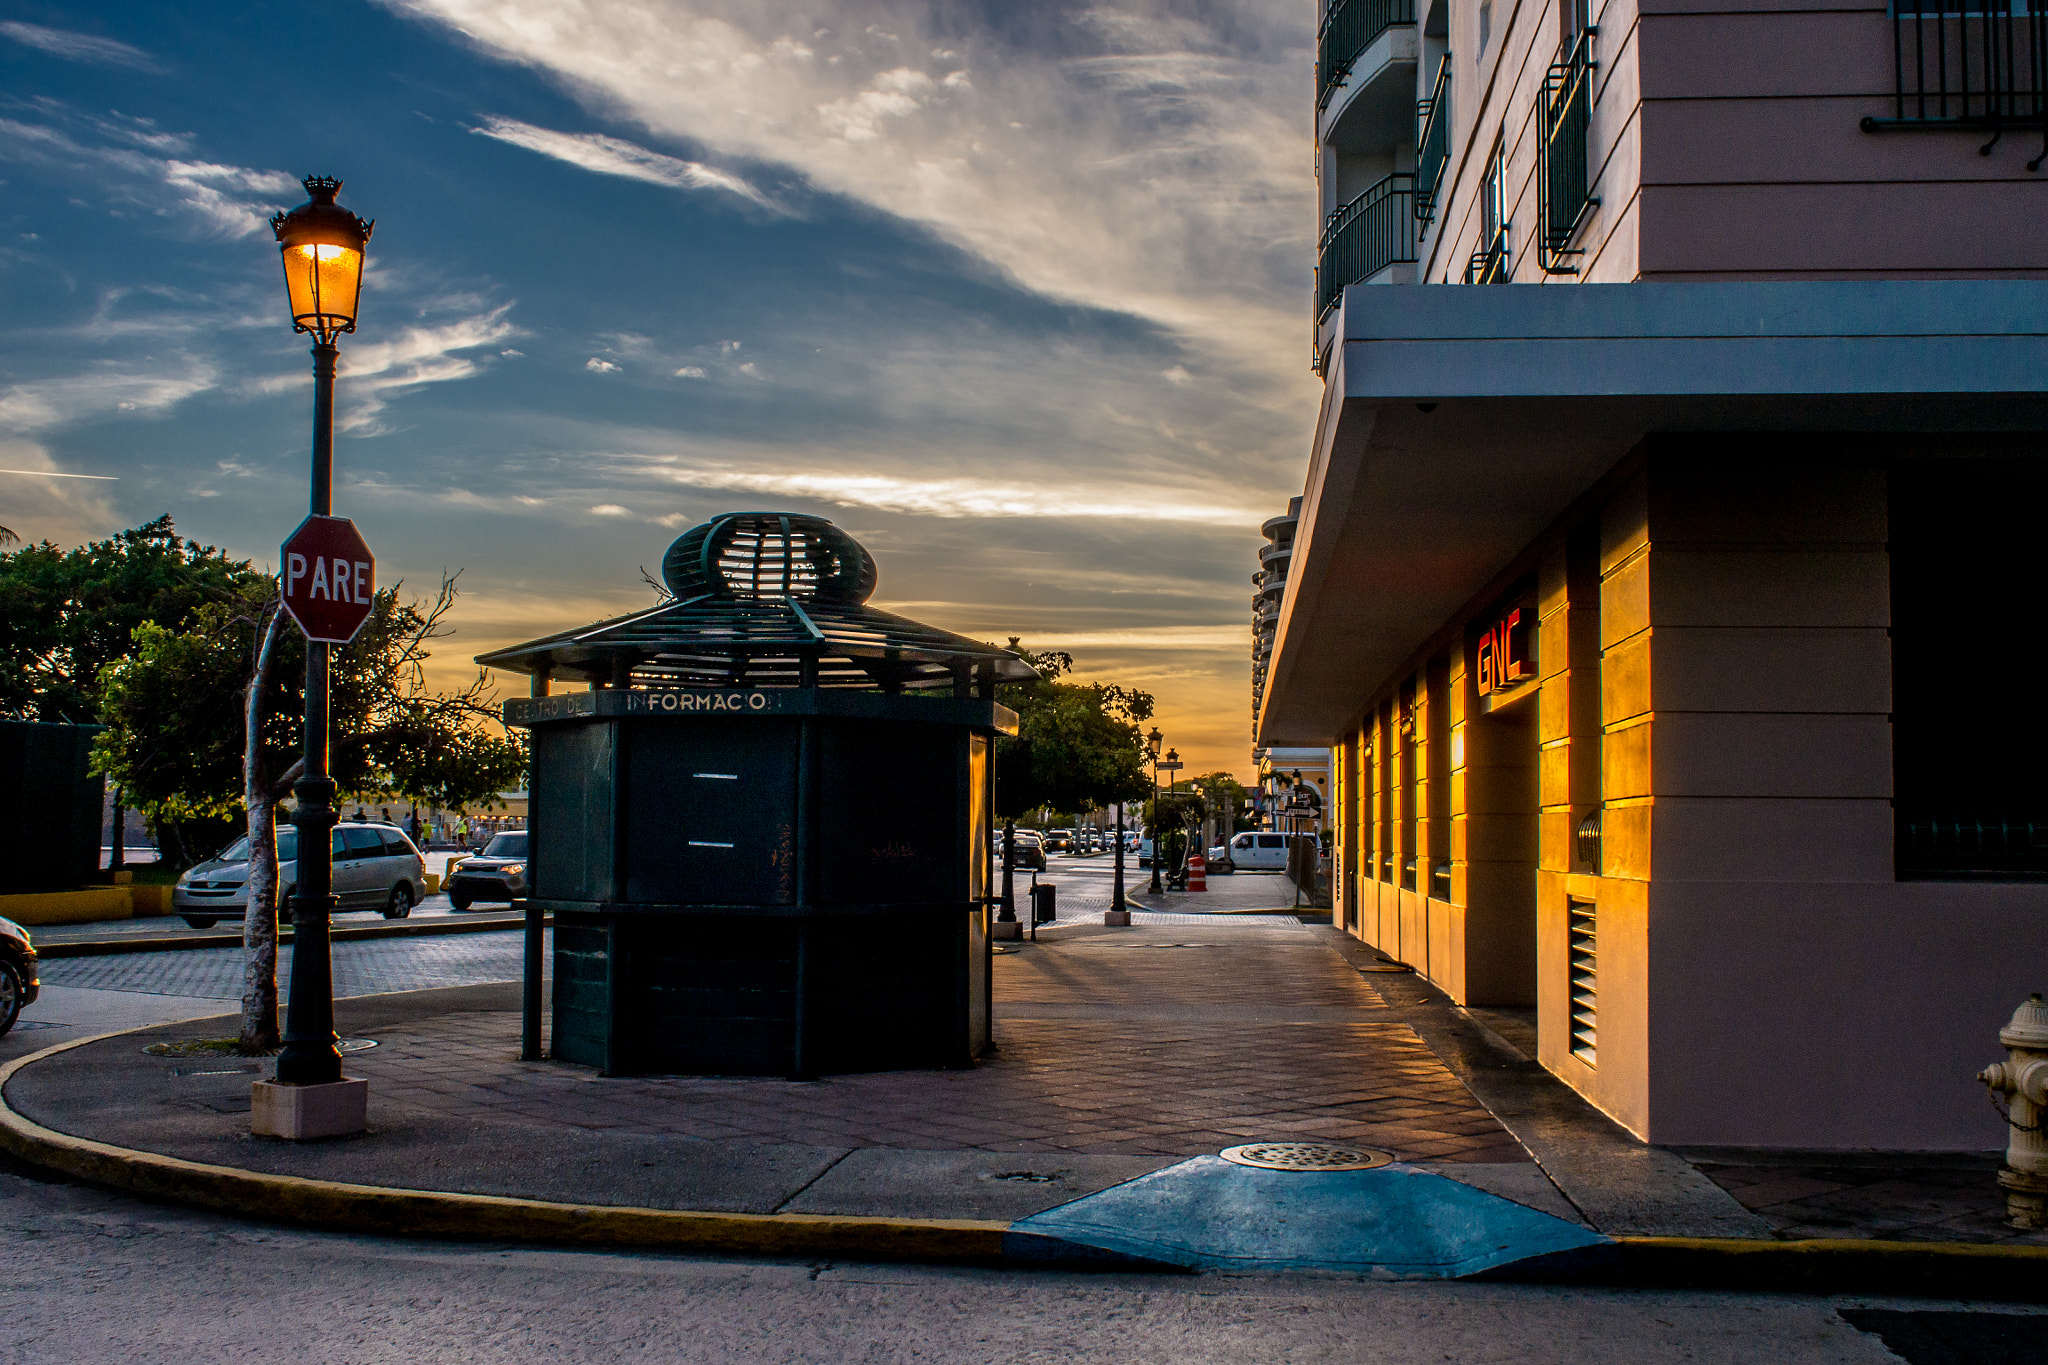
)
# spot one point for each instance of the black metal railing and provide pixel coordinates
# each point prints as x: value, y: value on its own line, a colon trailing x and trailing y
x: 1490, y: 265
x: 1991, y: 847
x: 1564, y: 188
x: 1969, y: 64
x: 1372, y: 232
x: 1432, y: 141
x: 1349, y: 28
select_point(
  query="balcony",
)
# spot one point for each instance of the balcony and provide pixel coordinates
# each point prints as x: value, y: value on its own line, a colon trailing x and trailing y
x: 1563, y: 171
x: 1372, y: 232
x: 1491, y: 265
x: 1432, y: 142
x: 1978, y: 65
x: 1350, y: 28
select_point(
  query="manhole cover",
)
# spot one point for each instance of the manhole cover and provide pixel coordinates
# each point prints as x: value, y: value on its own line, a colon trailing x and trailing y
x: 1306, y: 1156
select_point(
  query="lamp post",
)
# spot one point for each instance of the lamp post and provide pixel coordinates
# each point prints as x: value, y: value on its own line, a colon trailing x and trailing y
x: 1152, y: 742
x: 322, y: 244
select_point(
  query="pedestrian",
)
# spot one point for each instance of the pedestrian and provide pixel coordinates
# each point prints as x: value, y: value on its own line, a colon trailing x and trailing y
x: 414, y: 828
x: 462, y: 831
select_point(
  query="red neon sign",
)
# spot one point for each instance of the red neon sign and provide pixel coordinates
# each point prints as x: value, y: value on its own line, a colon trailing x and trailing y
x: 1503, y: 655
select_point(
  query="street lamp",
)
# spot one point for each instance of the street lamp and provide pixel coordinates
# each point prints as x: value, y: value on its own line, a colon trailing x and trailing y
x: 322, y: 244
x: 1152, y: 742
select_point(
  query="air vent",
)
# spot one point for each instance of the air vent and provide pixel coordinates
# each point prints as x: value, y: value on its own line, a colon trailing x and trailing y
x: 1585, y: 981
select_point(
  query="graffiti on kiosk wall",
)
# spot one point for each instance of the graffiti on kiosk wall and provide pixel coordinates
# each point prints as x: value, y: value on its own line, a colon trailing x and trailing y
x: 1506, y: 656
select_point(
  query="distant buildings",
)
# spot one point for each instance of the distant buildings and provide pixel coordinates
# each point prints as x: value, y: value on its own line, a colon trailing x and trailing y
x: 1657, y: 621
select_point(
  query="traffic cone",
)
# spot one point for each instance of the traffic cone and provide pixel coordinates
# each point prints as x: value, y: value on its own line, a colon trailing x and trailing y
x: 1198, y: 872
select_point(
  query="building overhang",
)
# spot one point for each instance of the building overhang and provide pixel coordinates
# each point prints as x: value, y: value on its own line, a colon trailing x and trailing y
x: 1458, y: 423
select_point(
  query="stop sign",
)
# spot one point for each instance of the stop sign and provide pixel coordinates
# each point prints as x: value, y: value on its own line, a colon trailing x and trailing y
x: 330, y: 578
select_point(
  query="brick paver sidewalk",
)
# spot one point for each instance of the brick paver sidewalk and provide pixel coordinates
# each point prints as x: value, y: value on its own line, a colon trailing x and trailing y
x: 1169, y: 1040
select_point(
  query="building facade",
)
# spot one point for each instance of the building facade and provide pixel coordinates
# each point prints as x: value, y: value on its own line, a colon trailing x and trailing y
x: 1645, y: 616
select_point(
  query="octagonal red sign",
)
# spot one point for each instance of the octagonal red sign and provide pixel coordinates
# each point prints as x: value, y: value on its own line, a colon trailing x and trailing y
x: 329, y: 577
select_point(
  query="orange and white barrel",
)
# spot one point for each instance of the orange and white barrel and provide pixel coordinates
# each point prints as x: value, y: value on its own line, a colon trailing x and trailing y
x: 1198, y: 872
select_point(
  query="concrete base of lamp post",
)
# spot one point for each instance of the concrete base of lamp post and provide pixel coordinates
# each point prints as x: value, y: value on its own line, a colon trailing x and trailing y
x: 1114, y: 917
x: 1007, y: 930
x: 298, y: 1112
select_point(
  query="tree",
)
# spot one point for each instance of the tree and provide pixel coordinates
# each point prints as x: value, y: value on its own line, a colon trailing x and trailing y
x: 1077, y: 747
x: 66, y: 614
x: 181, y: 745
x: 173, y: 741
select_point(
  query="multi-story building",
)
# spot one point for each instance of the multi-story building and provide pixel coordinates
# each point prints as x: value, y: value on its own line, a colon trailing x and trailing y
x: 1652, y: 618
x: 1269, y: 582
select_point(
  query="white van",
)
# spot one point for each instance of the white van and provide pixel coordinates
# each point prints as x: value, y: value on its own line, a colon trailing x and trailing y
x: 1253, y: 851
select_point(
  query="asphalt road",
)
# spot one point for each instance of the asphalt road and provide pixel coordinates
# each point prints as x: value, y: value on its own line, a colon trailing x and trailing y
x: 87, y: 1276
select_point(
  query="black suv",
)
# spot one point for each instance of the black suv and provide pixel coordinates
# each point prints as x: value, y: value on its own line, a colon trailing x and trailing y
x: 496, y: 874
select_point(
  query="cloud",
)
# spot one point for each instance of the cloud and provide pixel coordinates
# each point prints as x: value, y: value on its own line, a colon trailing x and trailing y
x: 1145, y: 164
x: 600, y: 366
x: 613, y: 156
x: 374, y: 372
x: 81, y: 47
x: 691, y: 372
x: 1235, y: 637
x: 958, y: 497
x: 609, y: 509
x: 141, y: 165
x: 102, y: 390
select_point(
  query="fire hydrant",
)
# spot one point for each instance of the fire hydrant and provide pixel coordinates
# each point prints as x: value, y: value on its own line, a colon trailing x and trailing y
x: 2019, y: 1086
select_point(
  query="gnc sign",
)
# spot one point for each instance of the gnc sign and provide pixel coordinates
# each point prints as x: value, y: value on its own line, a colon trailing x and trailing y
x: 330, y: 578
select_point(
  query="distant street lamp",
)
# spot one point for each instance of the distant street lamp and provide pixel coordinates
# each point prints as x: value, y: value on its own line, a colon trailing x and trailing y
x: 1152, y: 742
x: 322, y: 244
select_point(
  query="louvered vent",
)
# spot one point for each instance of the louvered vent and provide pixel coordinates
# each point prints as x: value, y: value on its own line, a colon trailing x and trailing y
x: 1585, y: 982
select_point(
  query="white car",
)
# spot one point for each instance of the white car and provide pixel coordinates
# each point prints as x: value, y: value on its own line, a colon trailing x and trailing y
x: 1253, y: 851
x: 375, y: 868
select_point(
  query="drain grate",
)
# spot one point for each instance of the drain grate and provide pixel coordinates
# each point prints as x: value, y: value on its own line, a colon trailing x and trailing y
x: 1306, y: 1156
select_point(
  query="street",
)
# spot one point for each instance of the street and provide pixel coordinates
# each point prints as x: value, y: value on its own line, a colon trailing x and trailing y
x: 94, y: 1277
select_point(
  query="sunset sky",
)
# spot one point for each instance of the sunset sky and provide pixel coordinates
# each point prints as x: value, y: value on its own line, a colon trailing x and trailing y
x: 1016, y: 294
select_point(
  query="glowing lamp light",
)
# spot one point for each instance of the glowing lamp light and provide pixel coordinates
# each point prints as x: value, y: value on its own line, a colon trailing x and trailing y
x: 322, y: 244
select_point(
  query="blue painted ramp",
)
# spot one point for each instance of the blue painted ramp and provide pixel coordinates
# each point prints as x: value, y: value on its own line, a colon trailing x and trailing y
x: 1210, y: 1214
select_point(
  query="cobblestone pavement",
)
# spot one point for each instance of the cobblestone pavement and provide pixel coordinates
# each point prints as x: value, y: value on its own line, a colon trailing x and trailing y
x: 1146, y: 1041
x: 365, y: 967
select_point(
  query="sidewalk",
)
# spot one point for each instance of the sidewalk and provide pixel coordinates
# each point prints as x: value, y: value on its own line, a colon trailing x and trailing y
x: 1124, y: 1055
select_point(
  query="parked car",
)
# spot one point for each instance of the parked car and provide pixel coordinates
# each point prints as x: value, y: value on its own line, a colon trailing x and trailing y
x: 1029, y: 849
x: 1253, y: 852
x: 375, y: 868
x: 496, y: 874
x: 18, y: 984
x: 1059, y: 841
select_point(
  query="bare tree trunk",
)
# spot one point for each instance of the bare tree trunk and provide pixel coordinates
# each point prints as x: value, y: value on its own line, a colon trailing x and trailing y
x: 259, y: 923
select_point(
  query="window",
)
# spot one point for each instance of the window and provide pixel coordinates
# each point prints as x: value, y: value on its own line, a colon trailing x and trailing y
x: 1564, y: 122
x: 1271, y: 841
x: 1489, y: 264
x: 363, y: 842
x: 1969, y: 64
x: 1968, y: 803
x: 1432, y: 141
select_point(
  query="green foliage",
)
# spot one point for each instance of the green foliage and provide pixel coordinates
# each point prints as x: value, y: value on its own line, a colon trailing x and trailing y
x: 1078, y: 745
x: 173, y: 703
x: 1227, y: 798
x: 67, y: 614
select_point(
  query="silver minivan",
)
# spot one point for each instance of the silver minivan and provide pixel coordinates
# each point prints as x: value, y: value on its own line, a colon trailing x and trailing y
x: 375, y: 868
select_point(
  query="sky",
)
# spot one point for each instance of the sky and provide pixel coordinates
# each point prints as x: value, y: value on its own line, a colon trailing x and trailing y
x: 1016, y: 294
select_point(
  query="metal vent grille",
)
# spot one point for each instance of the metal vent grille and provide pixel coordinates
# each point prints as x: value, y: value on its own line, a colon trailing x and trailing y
x: 1306, y: 1156
x: 1585, y: 981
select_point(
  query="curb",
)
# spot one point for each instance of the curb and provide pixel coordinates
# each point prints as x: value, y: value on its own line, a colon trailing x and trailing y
x: 1927, y: 1270
x: 107, y: 947
x: 390, y: 1212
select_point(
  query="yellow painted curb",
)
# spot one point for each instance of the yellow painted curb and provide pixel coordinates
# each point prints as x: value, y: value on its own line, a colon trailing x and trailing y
x: 71, y: 907
x: 479, y: 1217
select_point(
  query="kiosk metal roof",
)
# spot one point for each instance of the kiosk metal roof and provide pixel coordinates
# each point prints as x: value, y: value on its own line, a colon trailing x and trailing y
x: 765, y: 599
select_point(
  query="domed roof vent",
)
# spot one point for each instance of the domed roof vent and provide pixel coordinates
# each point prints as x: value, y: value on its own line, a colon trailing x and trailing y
x: 769, y: 555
